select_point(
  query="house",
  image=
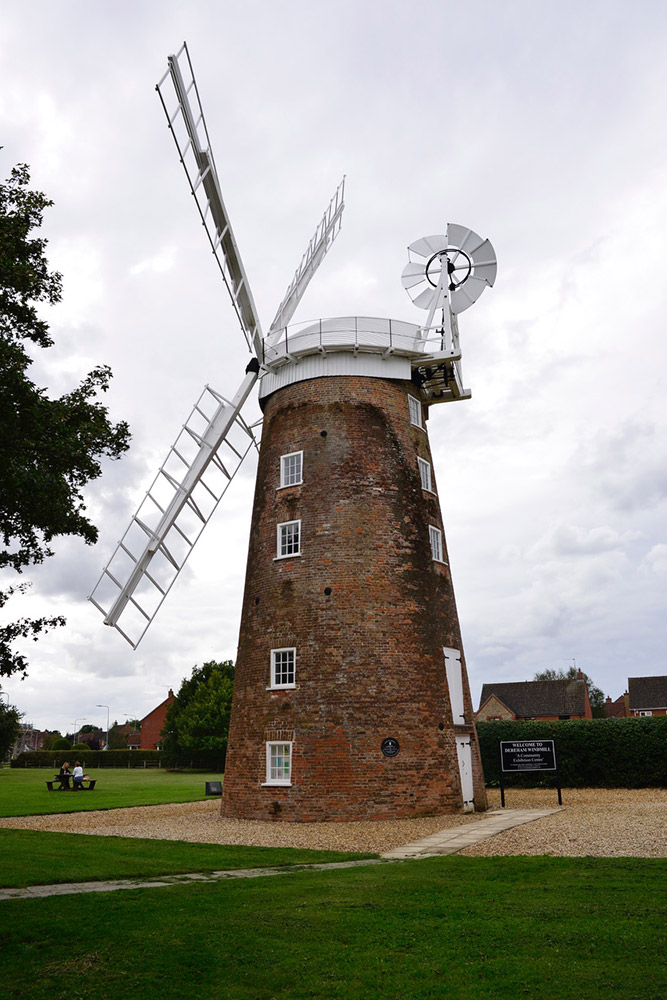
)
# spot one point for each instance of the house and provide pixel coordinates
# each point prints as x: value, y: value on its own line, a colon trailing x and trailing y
x: 619, y: 709
x: 28, y: 738
x: 133, y: 740
x: 547, y: 700
x: 647, y: 695
x: 153, y: 724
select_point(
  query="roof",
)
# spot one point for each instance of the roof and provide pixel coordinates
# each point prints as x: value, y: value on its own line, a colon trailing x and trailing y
x: 163, y: 705
x: 647, y: 692
x: 535, y: 698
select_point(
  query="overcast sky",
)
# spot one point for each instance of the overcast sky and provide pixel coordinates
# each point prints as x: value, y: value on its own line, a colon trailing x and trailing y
x: 539, y: 125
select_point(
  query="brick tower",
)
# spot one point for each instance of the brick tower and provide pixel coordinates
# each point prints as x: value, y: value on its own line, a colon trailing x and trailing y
x: 351, y: 698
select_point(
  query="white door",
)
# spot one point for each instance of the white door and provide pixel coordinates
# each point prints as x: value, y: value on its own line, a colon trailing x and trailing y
x: 464, y: 755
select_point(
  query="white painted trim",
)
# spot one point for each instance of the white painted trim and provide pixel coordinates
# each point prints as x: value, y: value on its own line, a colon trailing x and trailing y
x: 425, y: 466
x: 413, y: 404
x: 435, y: 533
x: 454, y: 673
x: 272, y: 666
x: 464, y: 755
x: 318, y: 366
x: 298, y: 482
x: 277, y: 781
x: 286, y: 555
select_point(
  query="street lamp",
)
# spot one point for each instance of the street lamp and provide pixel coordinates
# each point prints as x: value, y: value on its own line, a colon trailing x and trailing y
x: 82, y: 719
x: 107, y: 708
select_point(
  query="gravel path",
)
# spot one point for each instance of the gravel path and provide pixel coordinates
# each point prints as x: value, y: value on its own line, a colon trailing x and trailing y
x: 599, y: 822
x: 201, y: 822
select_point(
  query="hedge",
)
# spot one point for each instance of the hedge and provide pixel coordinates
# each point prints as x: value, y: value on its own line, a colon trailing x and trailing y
x: 91, y: 759
x: 595, y: 753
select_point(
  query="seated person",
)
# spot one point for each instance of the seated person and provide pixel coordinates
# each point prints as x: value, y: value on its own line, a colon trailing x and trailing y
x: 77, y: 777
x: 63, y: 776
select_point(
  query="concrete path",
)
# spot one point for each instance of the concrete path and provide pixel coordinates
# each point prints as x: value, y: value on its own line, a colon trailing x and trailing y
x: 453, y: 841
x: 161, y: 881
x: 444, y: 842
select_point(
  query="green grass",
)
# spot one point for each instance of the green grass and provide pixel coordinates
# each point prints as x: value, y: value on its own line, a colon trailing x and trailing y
x: 23, y: 791
x: 28, y: 857
x: 459, y: 928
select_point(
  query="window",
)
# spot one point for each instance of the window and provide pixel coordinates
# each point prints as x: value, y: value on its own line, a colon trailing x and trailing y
x: 415, y: 411
x: 646, y: 712
x: 425, y: 474
x: 282, y: 667
x: 289, y: 539
x: 278, y: 763
x: 435, y: 536
x: 291, y: 469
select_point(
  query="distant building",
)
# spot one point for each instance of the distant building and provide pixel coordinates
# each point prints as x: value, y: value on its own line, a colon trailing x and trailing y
x: 28, y: 738
x: 153, y: 724
x: 95, y: 740
x: 134, y: 740
x: 541, y: 700
x: 647, y: 695
x: 619, y: 709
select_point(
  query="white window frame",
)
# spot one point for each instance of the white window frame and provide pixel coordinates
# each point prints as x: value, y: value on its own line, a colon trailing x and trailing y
x: 276, y: 655
x: 280, y: 539
x: 425, y: 475
x: 416, y: 415
x: 645, y: 712
x: 285, y: 469
x: 286, y: 778
x: 435, y: 538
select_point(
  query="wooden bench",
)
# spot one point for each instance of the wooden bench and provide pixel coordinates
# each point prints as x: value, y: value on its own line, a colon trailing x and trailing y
x: 70, y: 788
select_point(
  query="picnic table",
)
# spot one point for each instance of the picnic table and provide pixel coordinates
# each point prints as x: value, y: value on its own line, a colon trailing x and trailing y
x: 63, y: 784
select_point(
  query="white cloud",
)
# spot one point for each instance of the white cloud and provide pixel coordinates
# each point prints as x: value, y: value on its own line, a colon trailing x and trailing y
x: 159, y: 263
x: 552, y: 478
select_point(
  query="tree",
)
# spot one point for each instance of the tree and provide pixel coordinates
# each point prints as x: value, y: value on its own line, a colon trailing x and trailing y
x: 595, y: 695
x: 117, y: 739
x: 61, y: 744
x: 10, y: 727
x: 50, y: 448
x: 197, y: 721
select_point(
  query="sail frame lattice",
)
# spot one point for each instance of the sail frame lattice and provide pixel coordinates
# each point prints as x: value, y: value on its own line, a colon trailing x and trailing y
x: 183, y: 497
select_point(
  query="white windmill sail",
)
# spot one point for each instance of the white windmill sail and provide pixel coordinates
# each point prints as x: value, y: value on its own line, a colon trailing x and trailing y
x: 215, y: 439
x: 188, y: 127
x: 326, y: 232
x: 200, y: 465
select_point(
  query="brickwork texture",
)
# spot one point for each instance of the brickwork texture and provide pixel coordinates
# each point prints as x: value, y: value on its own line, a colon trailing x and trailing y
x: 364, y: 605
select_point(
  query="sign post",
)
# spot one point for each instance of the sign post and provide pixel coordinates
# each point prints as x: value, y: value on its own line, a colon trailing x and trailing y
x: 527, y: 755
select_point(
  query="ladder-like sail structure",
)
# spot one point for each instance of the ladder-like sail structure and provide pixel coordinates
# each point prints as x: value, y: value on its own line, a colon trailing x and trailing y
x: 188, y: 127
x: 183, y: 497
x: 326, y: 232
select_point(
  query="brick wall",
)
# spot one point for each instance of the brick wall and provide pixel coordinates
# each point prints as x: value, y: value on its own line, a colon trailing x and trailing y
x: 365, y: 606
x: 152, y: 724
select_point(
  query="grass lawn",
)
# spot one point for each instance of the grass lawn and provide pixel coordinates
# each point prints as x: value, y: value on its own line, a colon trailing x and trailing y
x: 459, y: 928
x: 28, y: 857
x: 23, y: 791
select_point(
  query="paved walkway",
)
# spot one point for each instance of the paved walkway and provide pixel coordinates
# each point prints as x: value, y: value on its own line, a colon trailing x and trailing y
x: 444, y: 842
x: 453, y: 841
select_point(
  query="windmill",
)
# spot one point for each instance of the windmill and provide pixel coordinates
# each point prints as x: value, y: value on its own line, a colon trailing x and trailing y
x: 351, y: 698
